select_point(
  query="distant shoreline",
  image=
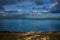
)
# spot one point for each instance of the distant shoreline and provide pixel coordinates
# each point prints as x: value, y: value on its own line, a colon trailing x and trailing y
x: 33, y: 18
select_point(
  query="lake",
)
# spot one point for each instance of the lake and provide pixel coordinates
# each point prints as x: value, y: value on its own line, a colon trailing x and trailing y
x: 20, y: 25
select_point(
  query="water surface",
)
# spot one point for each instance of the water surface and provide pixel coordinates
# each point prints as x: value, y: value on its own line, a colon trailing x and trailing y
x: 20, y: 25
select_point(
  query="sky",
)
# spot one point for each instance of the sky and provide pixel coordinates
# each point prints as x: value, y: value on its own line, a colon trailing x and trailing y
x: 13, y: 5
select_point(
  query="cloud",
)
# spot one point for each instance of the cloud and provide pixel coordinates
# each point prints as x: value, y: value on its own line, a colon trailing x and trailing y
x: 30, y: 4
x: 56, y: 6
x: 53, y: 4
x: 1, y: 8
x: 31, y: 14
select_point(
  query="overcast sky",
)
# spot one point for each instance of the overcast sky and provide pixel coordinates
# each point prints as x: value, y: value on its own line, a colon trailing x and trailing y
x: 8, y: 5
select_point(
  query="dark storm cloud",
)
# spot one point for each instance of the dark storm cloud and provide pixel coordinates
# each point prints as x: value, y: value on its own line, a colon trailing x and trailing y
x: 37, y: 3
x: 24, y: 3
x: 1, y: 8
x: 56, y: 8
x: 8, y: 2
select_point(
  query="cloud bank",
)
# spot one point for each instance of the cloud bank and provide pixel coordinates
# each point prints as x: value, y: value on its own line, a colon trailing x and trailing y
x: 52, y: 5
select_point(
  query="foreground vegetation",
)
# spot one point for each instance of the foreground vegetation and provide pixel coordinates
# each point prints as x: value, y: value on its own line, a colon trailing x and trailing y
x: 29, y: 35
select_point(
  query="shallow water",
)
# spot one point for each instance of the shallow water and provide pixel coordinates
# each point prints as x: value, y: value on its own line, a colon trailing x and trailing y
x: 19, y: 25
